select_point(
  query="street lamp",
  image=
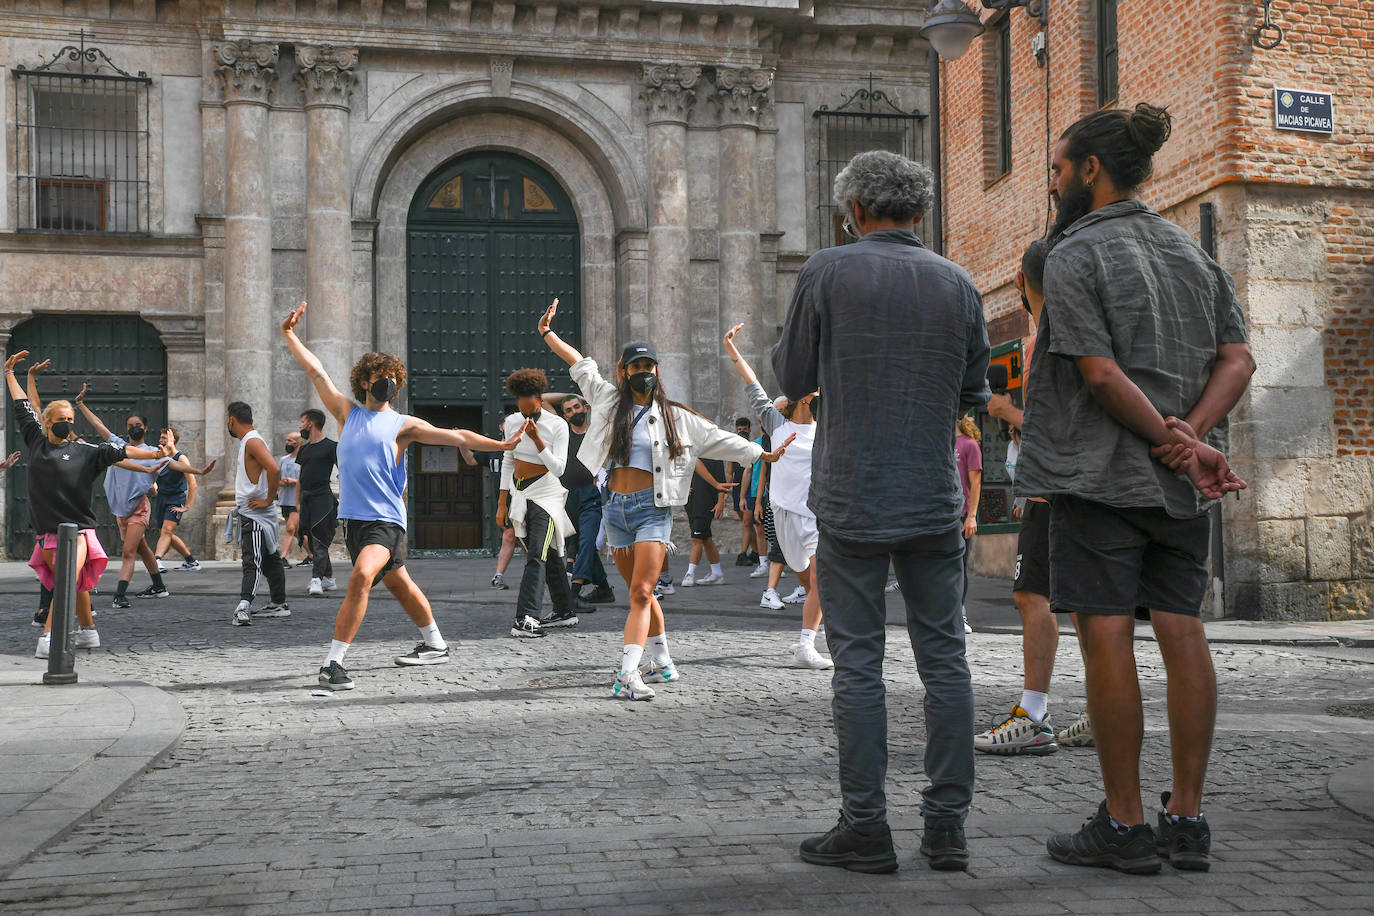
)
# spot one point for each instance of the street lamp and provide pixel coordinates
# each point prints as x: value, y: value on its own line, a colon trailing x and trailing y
x: 951, y: 27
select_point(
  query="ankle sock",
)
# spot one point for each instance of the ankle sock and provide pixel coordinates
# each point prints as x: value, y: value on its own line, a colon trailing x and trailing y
x: 157, y: 582
x: 629, y: 658
x: 657, y: 647
x: 431, y: 636
x: 1036, y: 704
x: 808, y: 637
x: 691, y: 569
x: 337, y: 650
x: 716, y: 570
x: 122, y: 588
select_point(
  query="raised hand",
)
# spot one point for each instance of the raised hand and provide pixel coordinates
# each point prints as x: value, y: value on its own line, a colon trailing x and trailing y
x: 777, y: 453
x: 15, y: 359
x: 730, y: 337
x: 39, y: 367
x: 10, y: 461
x: 513, y: 441
x: 80, y: 395
x: 208, y: 468
x: 289, y: 323
x: 547, y: 321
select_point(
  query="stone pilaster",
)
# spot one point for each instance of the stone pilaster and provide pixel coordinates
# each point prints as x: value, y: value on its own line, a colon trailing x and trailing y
x: 326, y: 75
x: 247, y: 71
x: 742, y: 97
x: 669, y: 95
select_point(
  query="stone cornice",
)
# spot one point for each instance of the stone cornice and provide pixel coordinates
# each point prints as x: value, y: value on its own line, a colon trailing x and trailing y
x: 669, y: 91
x: 247, y: 70
x: 744, y: 95
x: 326, y: 74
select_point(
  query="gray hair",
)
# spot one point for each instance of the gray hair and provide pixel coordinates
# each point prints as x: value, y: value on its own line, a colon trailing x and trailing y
x: 888, y: 186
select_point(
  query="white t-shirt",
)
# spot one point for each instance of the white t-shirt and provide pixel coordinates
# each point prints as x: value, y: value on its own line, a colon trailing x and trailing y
x: 789, y: 480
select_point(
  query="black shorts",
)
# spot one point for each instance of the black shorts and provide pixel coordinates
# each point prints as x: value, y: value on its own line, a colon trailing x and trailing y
x: 700, y: 523
x: 1108, y: 560
x: 390, y: 535
x: 1033, y: 550
x: 162, y: 510
x: 287, y: 512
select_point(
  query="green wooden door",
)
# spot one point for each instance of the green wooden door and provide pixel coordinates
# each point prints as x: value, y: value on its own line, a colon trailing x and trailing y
x: 122, y: 360
x: 491, y: 240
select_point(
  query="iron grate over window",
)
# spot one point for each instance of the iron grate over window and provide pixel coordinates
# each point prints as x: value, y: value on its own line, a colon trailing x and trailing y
x: 82, y: 144
x: 867, y: 120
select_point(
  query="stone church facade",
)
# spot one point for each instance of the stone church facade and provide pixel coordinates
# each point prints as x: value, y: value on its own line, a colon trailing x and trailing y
x: 427, y: 174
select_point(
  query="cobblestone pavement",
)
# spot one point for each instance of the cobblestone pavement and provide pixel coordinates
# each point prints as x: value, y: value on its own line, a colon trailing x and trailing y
x: 507, y: 780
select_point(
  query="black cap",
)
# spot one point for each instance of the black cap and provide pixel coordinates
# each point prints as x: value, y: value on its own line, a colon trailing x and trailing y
x: 637, y: 350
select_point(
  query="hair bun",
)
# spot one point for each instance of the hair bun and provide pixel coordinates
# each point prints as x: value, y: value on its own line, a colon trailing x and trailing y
x: 1149, y: 127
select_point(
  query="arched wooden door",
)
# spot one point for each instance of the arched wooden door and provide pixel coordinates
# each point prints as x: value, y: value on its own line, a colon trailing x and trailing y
x: 491, y: 239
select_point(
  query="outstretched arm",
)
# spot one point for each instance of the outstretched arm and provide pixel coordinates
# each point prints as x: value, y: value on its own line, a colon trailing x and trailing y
x: 101, y: 429
x: 416, y: 430
x: 146, y: 454
x: 741, y: 364
x: 11, y: 382
x: 185, y: 467
x: 32, y: 386
x: 564, y: 351
x: 335, y: 401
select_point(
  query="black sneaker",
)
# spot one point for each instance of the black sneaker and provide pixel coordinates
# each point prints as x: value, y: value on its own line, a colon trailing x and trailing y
x: 1099, y: 844
x: 743, y: 560
x: 1187, y: 843
x: 120, y: 601
x: 273, y: 610
x: 944, y: 845
x: 869, y: 851
x: 526, y: 628
x: 423, y: 654
x: 153, y: 591
x: 40, y: 617
x: 556, y: 619
x: 601, y: 594
x: 335, y: 677
x: 582, y: 605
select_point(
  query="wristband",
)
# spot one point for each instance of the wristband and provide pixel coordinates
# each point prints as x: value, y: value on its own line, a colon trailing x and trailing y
x: 547, y: 333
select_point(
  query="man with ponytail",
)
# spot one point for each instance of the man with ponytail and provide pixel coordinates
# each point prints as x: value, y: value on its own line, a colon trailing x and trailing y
x: 1153, y: 355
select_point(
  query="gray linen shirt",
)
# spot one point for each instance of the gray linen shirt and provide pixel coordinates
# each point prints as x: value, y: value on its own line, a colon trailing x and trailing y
x: 893, y: 335
x: 1126, y: 284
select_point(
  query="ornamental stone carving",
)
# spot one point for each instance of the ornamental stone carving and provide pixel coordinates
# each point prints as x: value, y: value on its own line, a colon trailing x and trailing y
x: 247, y: 70
x: 325, y: 73
x: 743, y: 95
x: 669, y: 91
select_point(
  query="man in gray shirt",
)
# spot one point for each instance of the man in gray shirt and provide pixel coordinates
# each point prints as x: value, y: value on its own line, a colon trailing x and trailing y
x: 1140, y: 329
x: 894, y: 338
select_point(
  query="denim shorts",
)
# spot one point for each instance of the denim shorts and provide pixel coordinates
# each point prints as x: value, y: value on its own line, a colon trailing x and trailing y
x: 632, y: 517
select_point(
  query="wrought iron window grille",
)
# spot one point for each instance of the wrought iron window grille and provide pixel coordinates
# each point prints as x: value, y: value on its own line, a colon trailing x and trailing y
x: 867, y: 119
x: 82, y: 144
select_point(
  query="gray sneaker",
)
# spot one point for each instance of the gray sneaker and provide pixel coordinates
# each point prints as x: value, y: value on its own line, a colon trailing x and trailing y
x: 243, y: 617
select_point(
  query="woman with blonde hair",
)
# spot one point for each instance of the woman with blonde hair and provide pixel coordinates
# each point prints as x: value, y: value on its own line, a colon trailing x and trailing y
x: 970, y: 456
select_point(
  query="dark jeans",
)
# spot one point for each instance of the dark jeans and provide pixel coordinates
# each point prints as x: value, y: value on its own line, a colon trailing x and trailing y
x: 259, y: 554
x: 542, y: 566
x: 320, y: 519
x: 584, y: 508
x: 851, y: 576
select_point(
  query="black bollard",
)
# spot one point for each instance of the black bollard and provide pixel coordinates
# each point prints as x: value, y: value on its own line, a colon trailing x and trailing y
x: 61, y: 649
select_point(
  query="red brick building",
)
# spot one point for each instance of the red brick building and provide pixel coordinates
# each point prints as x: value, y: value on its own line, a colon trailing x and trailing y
x: 1289, y: 213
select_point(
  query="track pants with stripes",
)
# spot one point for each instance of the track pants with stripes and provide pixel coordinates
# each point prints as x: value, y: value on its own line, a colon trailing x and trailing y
x: 258, y: 546
x: 544, y: 565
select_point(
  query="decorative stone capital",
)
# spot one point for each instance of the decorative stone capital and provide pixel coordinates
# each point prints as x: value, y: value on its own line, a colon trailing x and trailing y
x: 247, y: 70
x: 326, y: 74
x: 743, y: 95
x: 670, y: 91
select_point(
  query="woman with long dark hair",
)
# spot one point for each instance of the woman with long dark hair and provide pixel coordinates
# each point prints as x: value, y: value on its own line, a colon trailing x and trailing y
x: 652, y: 445
x: 62, y: 471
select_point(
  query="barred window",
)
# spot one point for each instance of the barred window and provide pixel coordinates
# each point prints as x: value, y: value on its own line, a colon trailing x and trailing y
x: 82, y: 146
x: 867, y: 120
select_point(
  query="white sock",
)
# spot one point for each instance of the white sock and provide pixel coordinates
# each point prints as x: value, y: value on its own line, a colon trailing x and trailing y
x: 432, y: 637
x: 715, y: 570
x: 336, y: 652
x: 808, y: 637
x: 629, y: 658
x: 658, y: 648
x: 692, y: 569
x: 1037, y: 705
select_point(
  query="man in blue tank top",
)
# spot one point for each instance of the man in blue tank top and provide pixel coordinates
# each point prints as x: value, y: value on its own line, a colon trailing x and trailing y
x: 372, y: 479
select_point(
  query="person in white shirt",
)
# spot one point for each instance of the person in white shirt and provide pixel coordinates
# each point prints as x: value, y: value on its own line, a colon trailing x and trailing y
x: 652, y: 444
x: 790, y: 484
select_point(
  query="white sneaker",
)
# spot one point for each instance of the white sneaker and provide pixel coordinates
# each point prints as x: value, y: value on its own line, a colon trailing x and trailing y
x: 808, y: 657
x: 712, y: 579
x: 242, y: 617
x: 689, y: 579
x: 770, y: 600
x: 656, y: 672
x: 663, y: 588
x: 1018, y: 733
x: 43, y: 642
x: 798, y: 596
x: 316, y: 588
x: 760, y: 571
x: 964, y: 614
x: 1078, y: 734
x: 630, y: 687
x: 160, y: 568
x: 87, y: 638
x: 329, y: 583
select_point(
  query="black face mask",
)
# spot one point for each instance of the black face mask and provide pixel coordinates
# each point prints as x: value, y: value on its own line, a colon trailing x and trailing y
x: 533, y: 416
x: 384, y: 389
x: 643, y: 382
x: 1025, y: 304
x: 289, y: 447
x: 816, y: 408
x: 136, y: 433
x: 232, y: 434
x: 577, y: 417
x: 305, y: 433
x: 62, y: 428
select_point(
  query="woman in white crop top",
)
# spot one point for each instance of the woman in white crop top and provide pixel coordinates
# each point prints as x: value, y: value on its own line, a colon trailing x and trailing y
x: 642, y: 489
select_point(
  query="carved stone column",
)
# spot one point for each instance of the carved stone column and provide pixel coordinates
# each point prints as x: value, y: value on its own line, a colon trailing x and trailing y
x: 247, y: 71
x: 327, y: 77
x: 742, y: 97
x: 669, y: 94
